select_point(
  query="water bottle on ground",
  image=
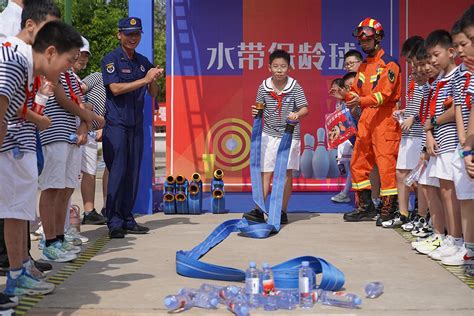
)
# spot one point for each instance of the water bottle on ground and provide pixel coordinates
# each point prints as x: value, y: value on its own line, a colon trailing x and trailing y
x: 415, y: 174
x: 175, y: 302
x: 288, y: 299
x: 268, y: 281
x: 201, y: 299
x: 305, y: 285
x: 374, y: 289
x: 239, y: 308
x: 253, y: 285
x: 339, y: 299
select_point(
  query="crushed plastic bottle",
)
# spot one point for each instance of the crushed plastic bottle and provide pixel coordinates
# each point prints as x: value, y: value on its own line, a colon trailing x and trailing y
x: 202, y: 299
x: 374, y: 289
x: 415, y: 174
x: 178, y: 302
x: 339, y: 299
x: 239, y: 308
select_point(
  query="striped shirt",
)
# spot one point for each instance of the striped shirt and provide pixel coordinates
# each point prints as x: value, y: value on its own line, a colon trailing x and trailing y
x: 446, y: 135
x: 292, y: 100
x: 13, y: 81
x: 461, y: 83
x: 22, y: 133
x: 414, y: 100
x: 63, y: 122
x: 96, y: 92
x: 428, y: 92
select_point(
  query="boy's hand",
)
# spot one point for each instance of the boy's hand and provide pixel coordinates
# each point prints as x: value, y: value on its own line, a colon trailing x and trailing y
x: 431, y: 145
x: 43, y: 123
x: 469, y: 163
x: 81, y: 134
x: 98, y: 136
x: 427, y: 125
x: 423, y: 156
x: 354, y: 101
x: 254, y: 110
x: 407, y: 123
x: 293, y: 116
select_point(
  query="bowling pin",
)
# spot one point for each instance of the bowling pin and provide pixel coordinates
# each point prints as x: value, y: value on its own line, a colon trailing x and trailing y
x: 333, y: 169
x: 320, y: 160
x: 306, y: 162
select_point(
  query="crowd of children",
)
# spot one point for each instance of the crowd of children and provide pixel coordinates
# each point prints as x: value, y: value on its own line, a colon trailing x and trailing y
x: 436, y: 126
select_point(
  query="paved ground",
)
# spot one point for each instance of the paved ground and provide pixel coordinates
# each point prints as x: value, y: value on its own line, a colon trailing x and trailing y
x: 133, y: 275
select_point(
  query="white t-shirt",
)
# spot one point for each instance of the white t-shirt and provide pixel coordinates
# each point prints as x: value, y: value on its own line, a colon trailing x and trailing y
x: 10, y: 21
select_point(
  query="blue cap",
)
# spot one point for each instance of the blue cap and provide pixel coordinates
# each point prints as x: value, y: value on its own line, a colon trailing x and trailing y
x: 130, y: 25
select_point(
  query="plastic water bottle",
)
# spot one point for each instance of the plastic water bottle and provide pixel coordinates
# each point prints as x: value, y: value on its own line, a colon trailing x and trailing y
x: 239, y: 308
x: 92, y: 134
x: 252, y: 285
x: 399, y: 117
x: 17, y: 153
x: 415, y: 174
x: 374, y: 289
x: 268, y: 281
x: 288, y: 299
x: 73, y: 138
x: 339, y: 299
x: 200, y: 298
x: 305, y: 285
x: 174, y: 302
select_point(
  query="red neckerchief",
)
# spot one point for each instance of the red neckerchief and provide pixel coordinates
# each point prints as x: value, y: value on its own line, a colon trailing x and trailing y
x: 279, y: 99
x: 30, y: 95
x: 433, y: 100
x: 411, y: 90
x: 466, y: 86
x: 71, y: 90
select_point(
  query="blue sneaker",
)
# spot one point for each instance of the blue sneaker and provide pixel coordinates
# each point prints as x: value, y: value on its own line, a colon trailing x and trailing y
x: 55, y: 253
x: 27, y: 285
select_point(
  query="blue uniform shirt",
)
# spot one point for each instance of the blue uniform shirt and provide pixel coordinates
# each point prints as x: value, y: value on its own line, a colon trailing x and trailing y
x: 125, y: 109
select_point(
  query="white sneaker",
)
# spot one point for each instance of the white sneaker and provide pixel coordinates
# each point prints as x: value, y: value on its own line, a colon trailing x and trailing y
x: 469, y: 263
x: 72, y: 234
x: 420, y: 241
x: 456, y: 259
x: 70, y: 248
x: 447, y: 248
x: 429, y: 245
x: 341, y: 198
x: 54, y: 253
x: 408, y: 227
x: 423, y: 229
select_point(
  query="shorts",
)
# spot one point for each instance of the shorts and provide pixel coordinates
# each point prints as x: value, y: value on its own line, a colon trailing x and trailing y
x: 408, y: 153
x: 269, y: 151
x: 442, y: 168
x: 463, y: 184
x: 19, y: 186
x: 62, y: 166
x: 89, y: 156
x: 425, y: 179
x: 344, y: 151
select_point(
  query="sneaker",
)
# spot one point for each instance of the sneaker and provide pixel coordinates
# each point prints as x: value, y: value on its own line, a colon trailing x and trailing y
x: 27, y: 285
x: 255, y: 215
x: 54, y: 253
x: 397, y: 221
x: 7, y: 302
x: 72, y: 234
x: 341, y: 197
x: 469, y: 263
x: 408, y: 227
x: 456, y: 259
x: 42, y: 266
x: 448, y: 248
x: 429, y: 245
x: 70, y: 248
x: 423, y: 229
x: 93, y: 218
x: 284, y: 218
x: 34, y: 272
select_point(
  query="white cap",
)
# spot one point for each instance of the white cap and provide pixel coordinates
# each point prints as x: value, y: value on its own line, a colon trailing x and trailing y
x: 85, y: 47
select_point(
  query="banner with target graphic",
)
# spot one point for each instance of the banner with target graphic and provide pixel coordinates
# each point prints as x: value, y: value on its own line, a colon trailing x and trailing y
x: 217, y: 56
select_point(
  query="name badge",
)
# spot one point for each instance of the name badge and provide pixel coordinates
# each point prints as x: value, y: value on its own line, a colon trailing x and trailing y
x: 127, y: 71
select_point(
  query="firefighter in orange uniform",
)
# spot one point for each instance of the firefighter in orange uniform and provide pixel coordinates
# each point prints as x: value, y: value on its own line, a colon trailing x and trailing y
x: 376, y: 89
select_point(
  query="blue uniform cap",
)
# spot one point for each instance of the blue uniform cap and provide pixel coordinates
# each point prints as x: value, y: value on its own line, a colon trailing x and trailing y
x: 130, y: 25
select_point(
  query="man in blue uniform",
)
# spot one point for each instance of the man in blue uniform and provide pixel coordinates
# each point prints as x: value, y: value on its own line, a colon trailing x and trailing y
x: 127, y: 75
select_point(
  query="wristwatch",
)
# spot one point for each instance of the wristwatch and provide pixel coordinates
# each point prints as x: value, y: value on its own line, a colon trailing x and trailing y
x: 433, y: 121
x: 466, y: 153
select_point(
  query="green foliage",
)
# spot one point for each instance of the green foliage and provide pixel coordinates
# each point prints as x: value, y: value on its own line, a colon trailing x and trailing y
x: 160, y: 43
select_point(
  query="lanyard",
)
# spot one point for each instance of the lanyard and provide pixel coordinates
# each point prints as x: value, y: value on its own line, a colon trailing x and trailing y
x: 71, y: 90
x: 30, y: 95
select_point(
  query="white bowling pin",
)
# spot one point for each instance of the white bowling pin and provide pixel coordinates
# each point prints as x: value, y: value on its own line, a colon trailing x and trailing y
x: 320, y: 157
x: 306, y: 162
x: 333, y: 169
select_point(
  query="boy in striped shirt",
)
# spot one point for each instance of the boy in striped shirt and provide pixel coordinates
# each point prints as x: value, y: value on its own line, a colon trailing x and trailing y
x: 441, y: 140
x: 54, y: 50
x: 283, y: 98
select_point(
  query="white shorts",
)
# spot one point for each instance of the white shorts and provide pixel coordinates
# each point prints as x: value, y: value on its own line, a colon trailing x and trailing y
x: 463, y: 184
x: 425, y: 179
x: 344, y: 151
x: 62, y: 166
x: 269, y: 151
x: 443, y: 168
x: 18, y: 186
x: 408, y: 153
x: 89, y: 156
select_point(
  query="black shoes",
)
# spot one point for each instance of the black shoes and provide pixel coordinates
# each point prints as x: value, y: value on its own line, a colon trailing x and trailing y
x: 255, y: 215
x: 93, y: 218
x: 117, y: 233
x: 388, y: 209
x: 137, y: 229
x: 365, y: 210
x: 7, y: 302
x: 42, y: 266
x: 284, y: 218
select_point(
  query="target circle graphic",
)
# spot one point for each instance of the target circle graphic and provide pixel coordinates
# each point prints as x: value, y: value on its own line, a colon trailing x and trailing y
x: 229, y: 141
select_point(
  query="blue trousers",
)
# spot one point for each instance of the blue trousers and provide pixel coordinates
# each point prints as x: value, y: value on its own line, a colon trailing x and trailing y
x: 123, y: 149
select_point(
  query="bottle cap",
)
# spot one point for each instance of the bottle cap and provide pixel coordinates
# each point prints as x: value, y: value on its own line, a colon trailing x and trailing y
x: 252, y: 264
x: 305, y: 264
x: 265, y: 265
